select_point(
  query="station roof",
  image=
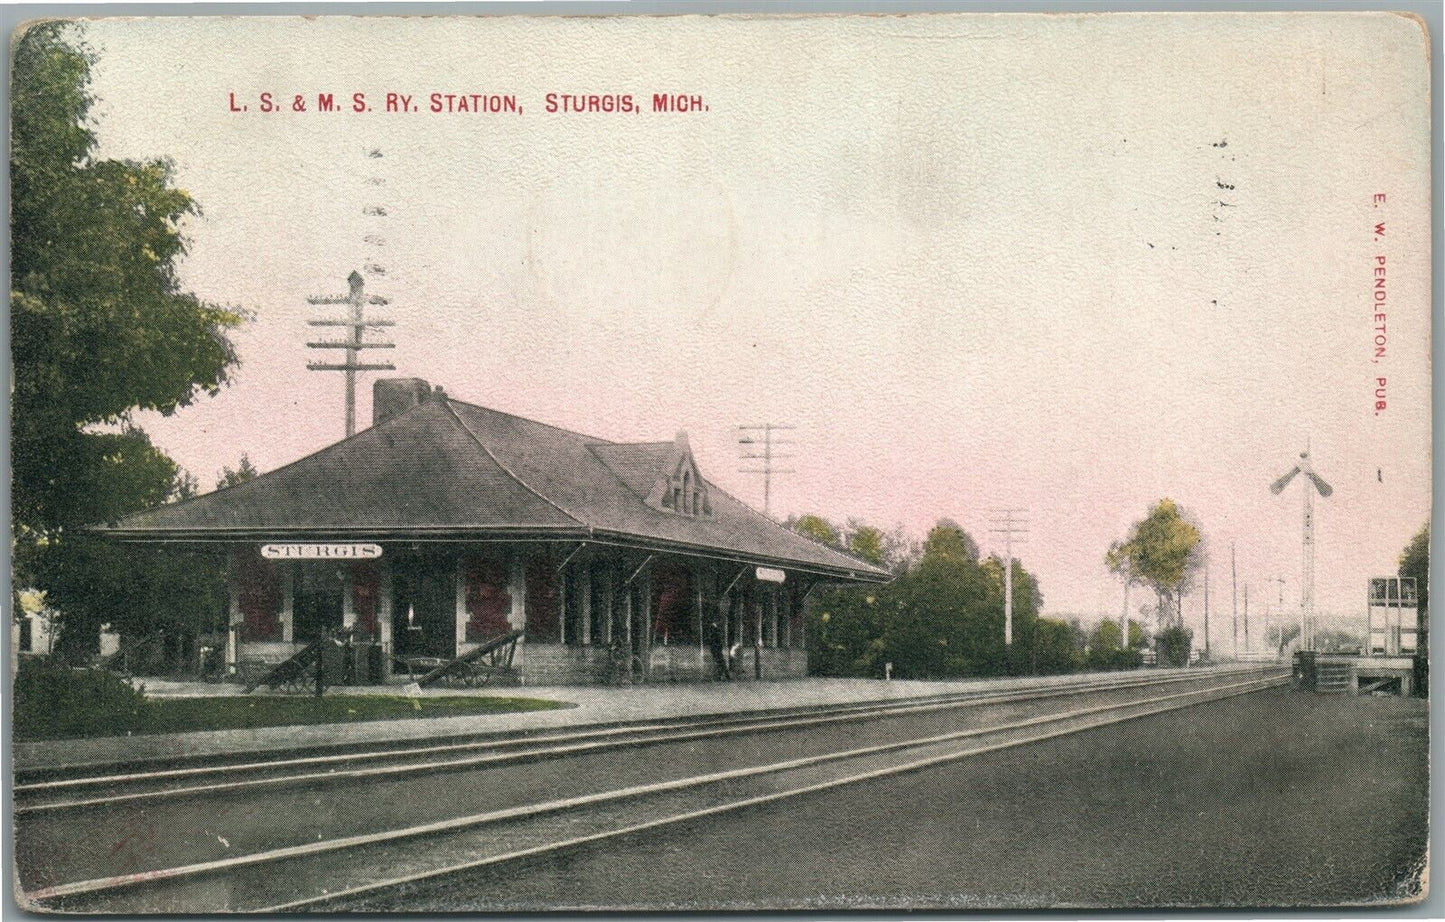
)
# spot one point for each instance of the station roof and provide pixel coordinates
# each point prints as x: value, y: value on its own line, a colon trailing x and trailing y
x: 453, y: 471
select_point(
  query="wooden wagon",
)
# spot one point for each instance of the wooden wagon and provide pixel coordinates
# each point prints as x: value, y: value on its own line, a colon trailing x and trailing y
x: 472, y: 669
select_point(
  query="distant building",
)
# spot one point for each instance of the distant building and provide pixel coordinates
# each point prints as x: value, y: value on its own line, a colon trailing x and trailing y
x: 446, y: 524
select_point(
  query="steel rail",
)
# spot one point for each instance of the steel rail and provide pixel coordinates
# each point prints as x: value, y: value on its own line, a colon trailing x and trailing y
x: 535, y: 748
x: 162, y: 877
x: 217, y: 764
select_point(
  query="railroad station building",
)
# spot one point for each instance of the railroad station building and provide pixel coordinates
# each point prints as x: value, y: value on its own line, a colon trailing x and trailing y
x: 447, y: 524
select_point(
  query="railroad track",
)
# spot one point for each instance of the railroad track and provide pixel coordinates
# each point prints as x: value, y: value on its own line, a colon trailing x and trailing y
x: 355, y: 872
x: 89, y: 791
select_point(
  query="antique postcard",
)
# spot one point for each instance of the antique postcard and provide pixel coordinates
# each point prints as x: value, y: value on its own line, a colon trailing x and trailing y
x: 720, y: 462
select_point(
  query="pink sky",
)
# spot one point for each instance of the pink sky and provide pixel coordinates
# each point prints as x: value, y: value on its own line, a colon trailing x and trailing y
x: 978, y: 262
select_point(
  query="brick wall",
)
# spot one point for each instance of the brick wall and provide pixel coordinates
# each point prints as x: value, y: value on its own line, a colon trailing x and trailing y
x: 556, y: 664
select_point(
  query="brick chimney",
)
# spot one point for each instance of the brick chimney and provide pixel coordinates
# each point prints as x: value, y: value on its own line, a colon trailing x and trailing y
x: 394, y: 396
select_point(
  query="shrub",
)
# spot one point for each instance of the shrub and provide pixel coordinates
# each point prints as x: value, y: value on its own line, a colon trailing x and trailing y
x: 54, y: 701
x: 1174, y: 644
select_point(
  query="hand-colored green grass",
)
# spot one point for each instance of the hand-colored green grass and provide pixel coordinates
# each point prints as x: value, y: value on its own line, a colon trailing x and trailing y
x: 185, y: 715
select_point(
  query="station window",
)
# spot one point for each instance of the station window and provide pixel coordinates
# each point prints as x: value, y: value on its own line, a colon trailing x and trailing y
x: 489, y: 600
x: 365, y: 597
x: 542, y: 597
x: 674, y: 615
x: 260, y: 597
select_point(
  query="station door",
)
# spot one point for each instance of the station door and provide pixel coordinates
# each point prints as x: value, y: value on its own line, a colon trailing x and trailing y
x: 424, y: 608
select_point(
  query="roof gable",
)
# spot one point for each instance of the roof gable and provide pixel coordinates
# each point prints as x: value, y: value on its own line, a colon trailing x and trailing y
x: 679, y: 487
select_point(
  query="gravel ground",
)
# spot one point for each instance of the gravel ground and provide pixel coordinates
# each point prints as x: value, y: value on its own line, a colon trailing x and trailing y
x: 1275, y: 799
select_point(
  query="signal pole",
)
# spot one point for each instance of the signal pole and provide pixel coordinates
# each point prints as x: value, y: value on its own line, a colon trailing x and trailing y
x: 1234, y: 593
x: 764, y: 438
x: 355, y: 328
x: 1005, y: 524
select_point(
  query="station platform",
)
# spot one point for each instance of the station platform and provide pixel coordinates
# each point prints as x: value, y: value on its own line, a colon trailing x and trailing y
x: 583, y: 706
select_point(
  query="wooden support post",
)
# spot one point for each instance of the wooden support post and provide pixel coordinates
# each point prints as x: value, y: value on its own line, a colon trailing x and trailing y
x: 803, y: 619
x: 757, y: 633
x: 517, y: 589
x: 698, y: 575
x: 288, y: 602
x: 609, y: 600
x: 348, y: 604
x: 384, y: 617
x: 724, y: 601
x: 586, y: 600
x: 562, y: 576
x: 460, y: 613
x: 646, y: 625
x: 774, y: 592
x: 234, y: 617
x: 627, y: 591
x: 786, y: 597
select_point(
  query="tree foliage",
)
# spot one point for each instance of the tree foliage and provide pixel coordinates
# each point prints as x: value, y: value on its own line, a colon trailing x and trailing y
x: 948, y: 540
x: 1162, y: 551
x: 869, y: 543
x: 1278, y: 637
x: 1415, y: 562
x: 892, y: 550
x: 100, y: 327
x: 815, y: 527
x: 1174, y: 643
x: 942, y: 616
x: 243, y: 472
x: 1105, y: 651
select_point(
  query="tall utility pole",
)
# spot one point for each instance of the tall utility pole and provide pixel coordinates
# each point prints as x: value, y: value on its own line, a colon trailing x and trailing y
x: 1280, y: 580
x: 760, y: 436
x: 1006, y: 524
x: 355, y: 327
x: 1246, y: 618
x: 1124, y: 618
x: 1234, y: 593
x: 1206, y: 609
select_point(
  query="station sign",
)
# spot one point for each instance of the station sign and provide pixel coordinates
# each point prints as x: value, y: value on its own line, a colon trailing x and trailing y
x: 321, y: 551
x: 769, y: 575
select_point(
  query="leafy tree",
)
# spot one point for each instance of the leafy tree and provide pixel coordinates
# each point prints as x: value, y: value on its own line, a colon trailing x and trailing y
x: 1104, y: 651
x: 894, y: 549
x: 244, y: 471
x: 1415, y: 562
x: 99, y: 328
x: 1163, y: 551
x: 868, y: 542
x: 815, y: 527
x: 941, y: 617
x: 1056, y: 647
x: 948, y: 541
x: 1174, y: 644
x: 1279, y: 637
x: 187, y: 485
